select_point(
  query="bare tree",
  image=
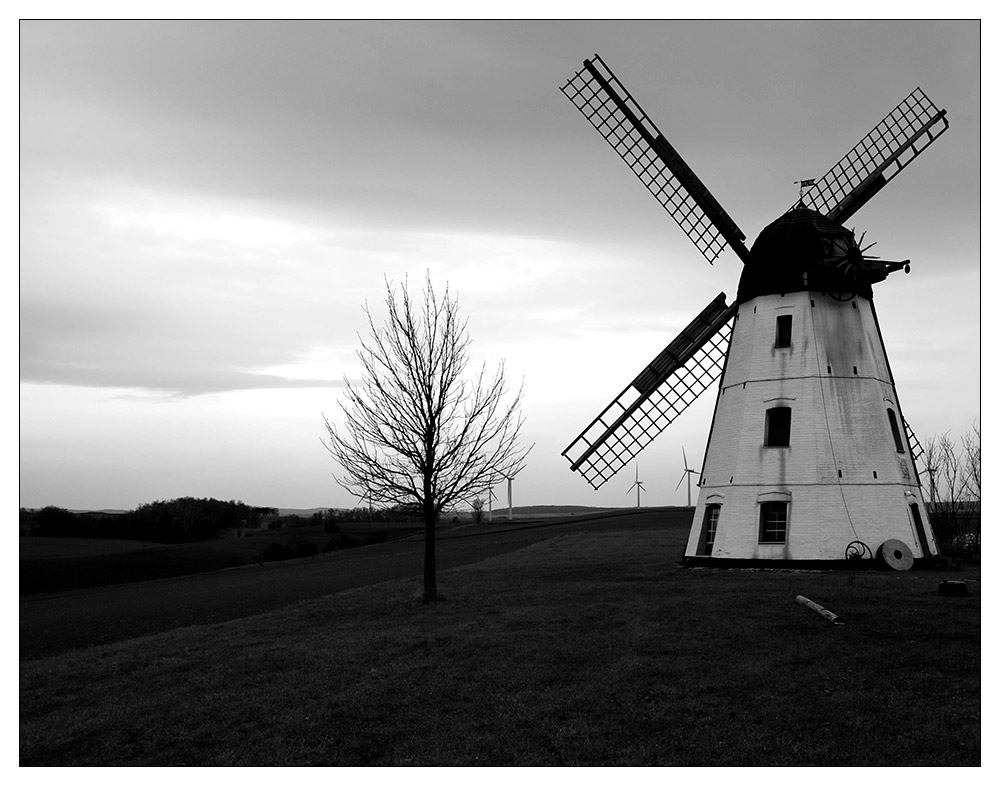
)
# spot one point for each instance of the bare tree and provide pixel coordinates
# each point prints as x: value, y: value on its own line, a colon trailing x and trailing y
x: 416, y: 432
x: 953, y: 473
x: 972, y: 445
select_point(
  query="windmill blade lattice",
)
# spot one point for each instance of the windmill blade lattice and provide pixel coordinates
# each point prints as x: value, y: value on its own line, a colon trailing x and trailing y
x: 609, y: 107
x: 887, y: 149
x: 654, y: 399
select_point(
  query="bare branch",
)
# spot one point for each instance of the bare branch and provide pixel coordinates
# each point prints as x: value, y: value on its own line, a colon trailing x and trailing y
x: 954, y: 474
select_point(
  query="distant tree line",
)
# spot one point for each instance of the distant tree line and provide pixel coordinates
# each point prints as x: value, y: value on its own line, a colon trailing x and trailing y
x: 952, y: 474
x: 394, y: 513
x: 169, y: 521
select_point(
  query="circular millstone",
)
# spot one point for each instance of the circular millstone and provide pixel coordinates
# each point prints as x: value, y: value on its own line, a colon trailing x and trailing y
x: 896, y: 555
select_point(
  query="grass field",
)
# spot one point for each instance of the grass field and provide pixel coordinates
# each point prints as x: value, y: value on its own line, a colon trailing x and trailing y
x: 60, y: 564
x: 585, y: 649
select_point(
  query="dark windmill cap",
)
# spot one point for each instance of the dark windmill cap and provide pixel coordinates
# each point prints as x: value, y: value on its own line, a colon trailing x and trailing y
x: 804, y: 250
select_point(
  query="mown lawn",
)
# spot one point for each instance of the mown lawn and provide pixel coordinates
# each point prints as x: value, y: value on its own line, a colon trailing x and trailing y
x: 587, y: 649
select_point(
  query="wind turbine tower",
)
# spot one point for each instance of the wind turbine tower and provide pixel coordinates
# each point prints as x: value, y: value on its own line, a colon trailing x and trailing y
x: 637, y: 486
x: 490, y: 499
x: 687, y: 473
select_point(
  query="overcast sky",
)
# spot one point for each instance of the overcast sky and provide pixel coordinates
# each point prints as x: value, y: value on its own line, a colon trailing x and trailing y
x: 205, y: 207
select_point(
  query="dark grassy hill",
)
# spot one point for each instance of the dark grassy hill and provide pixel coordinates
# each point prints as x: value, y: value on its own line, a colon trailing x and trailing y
x: 590, y: 648
x: 61, y: 564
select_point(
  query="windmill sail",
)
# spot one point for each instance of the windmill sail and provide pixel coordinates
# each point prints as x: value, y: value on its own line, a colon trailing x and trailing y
x: 887, y: 149
x: 654, y: 399
x: 797, y: 357
x: 609, y: 107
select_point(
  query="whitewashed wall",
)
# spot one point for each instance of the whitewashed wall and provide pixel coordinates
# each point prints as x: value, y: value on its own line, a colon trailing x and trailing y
x: 841, y: 474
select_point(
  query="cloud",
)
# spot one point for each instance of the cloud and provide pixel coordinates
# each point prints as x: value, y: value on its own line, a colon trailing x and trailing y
x: 111, y: 345
x: 174, y: 382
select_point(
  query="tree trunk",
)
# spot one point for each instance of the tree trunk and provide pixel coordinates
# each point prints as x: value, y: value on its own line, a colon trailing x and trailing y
x: 430, y: 560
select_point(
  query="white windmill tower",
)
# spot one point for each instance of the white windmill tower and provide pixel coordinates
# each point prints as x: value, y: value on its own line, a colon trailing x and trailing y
x: 687, y: 473
x: 637, y: 486
x: 807, y: 460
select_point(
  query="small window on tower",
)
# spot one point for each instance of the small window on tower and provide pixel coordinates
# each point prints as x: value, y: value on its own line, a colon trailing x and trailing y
x: 894, y: 426
x: 778, y: 427
x: 773, y: 522
x: 783, y: 331
x: 709, y: 528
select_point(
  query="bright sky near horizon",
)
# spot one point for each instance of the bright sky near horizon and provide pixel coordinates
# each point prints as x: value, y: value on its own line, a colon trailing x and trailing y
x: 205, y: 208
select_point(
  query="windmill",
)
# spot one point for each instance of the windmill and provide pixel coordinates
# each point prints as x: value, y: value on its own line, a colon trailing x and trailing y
x: 805, y: 460
x: 638, y: 488
x: 687, y: 473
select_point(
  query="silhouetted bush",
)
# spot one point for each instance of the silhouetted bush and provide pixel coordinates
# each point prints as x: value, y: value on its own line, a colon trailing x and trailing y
x: 51, y: 521
x: 275, y: 552
x: 307, y: 549
x: 341, y: 541
x: 175, y: 521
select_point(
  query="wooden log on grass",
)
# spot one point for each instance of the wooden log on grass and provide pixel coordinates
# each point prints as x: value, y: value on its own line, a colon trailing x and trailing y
x: 824, y: 613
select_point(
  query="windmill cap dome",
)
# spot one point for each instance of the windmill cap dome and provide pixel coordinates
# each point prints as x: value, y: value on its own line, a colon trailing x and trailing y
x: 803, y: 250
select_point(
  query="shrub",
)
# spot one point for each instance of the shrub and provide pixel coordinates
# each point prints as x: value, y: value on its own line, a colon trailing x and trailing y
x: 276, y: 552
x: 307, y: 549
x: 341, y: 541
x: 53, y: 521
x: 330, y: 526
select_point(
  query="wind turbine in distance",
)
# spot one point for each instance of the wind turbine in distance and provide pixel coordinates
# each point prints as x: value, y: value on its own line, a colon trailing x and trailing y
x: 510, y: 496
x: 637, y: 486
x: 687, y: 473
x: 490, y: 499
x: 510, y: 487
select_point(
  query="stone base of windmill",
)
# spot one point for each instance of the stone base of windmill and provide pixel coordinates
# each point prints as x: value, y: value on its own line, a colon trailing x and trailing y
x: 891, y: 555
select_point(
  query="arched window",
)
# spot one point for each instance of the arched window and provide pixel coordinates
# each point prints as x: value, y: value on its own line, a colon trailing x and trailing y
x: 894, y: 426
